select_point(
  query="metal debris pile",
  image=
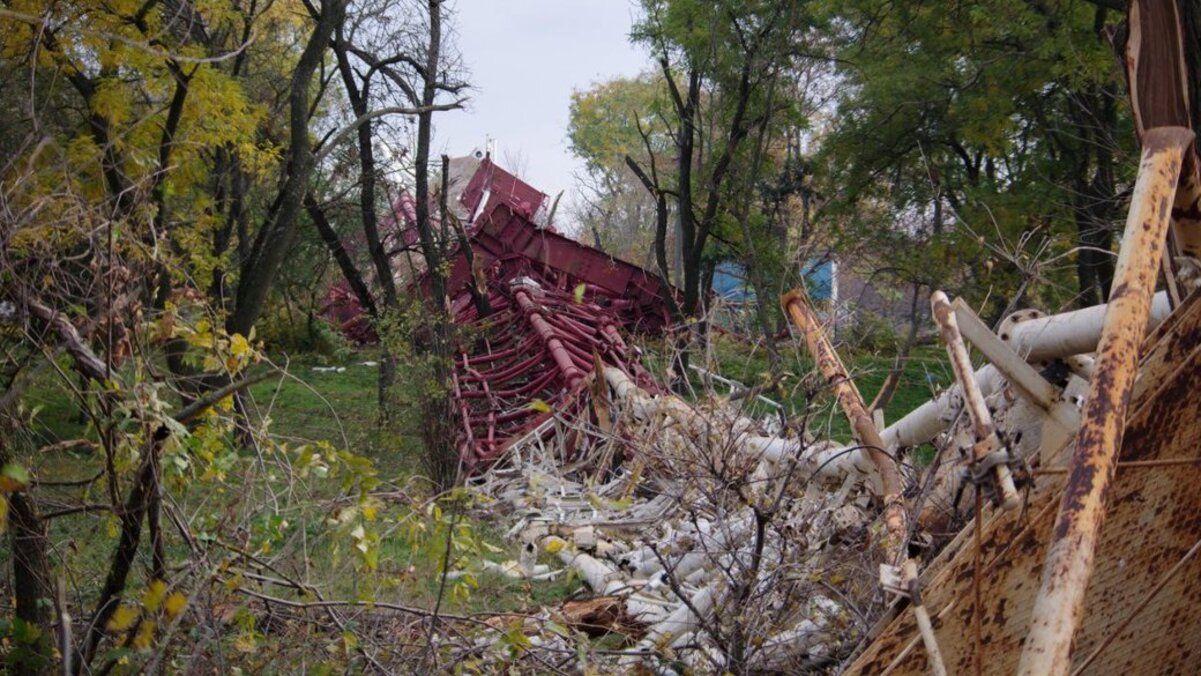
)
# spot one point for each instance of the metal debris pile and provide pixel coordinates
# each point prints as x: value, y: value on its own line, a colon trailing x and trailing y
x: 708, y: 540
x: 713, y: 542
x: 676, y: 514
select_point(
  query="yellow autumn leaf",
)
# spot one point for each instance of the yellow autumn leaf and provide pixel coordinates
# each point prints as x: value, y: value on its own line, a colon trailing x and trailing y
x: 238, y: 345
x: 540, y: 406
x: 555, y: 545
x: 201, y: 339
x: 122, y: 619
x: 153, y: 598
x: 145, y: 636
x: 175, y: 604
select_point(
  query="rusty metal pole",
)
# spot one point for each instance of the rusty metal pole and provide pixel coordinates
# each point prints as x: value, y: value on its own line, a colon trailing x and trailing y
x: 796, y: 306
x: 987, y: 441
x: 1072, y: 550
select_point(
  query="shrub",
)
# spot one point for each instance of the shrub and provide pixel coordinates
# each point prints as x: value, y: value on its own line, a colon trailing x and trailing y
x: 871, y: 332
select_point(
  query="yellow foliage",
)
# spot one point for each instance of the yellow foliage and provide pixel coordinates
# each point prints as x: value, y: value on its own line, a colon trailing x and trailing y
x: 145, y: 636
x: 153, y: 597
x: 123, y: 618
x: 238, y: 346
x: 175, y: 604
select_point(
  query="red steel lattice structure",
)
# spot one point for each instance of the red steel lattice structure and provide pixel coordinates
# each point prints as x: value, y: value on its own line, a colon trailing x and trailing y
x: 557, y: 306
x: 542, y: 337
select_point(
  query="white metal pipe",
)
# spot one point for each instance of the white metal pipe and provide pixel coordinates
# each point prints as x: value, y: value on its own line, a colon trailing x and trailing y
x: 825, y: 461
x: 924, y: 422
x: 682, y: 621
x: 1069, y: 333
x: 1053, y: 337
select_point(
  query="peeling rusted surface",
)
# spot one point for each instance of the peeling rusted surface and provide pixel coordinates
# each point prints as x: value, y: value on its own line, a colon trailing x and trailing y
x: 1154, y: 516
x: 797, y: 307
x: 1070, y: 555
x: 1157, y: 74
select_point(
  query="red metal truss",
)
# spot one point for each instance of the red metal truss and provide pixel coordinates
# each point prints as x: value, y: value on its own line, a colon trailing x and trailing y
x: 538, y: 345
x: 557, y: 305
x: 491, y: 186
x: 506, y: 243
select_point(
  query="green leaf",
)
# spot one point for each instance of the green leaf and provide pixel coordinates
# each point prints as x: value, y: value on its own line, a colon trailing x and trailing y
x: 13, y: 478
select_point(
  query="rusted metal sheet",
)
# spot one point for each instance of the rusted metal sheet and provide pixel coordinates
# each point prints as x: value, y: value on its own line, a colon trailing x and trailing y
x: 1156, y: 58
x: 797, y: 307
x: 1154, y: 518
x: 1070, y: 557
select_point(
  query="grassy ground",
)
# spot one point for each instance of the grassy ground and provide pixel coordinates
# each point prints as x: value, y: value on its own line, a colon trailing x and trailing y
x: 315, y: 401
x: 339, y: 406
x: 926, y: 372
x: 802, y: 392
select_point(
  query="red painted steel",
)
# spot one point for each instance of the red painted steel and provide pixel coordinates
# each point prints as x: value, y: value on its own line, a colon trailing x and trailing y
x: 558, y: 305
x: 538, y: 345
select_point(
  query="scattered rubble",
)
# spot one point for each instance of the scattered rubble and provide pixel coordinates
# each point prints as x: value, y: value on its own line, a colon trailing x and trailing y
x: 712, y: 541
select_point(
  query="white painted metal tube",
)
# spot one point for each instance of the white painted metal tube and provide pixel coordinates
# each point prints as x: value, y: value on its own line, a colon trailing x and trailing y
x: 924, y: 422
x: 1053, y: 337
x: 1069, y: 333
x: 682, y: 621
x: 826, y: 461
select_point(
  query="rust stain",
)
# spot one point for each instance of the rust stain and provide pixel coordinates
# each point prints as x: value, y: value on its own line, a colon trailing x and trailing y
x: 1131, y: 555
x: 796, y: 306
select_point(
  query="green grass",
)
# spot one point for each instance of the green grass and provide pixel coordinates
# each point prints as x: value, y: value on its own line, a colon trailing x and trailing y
x: 339, y: 407
x: 302, y: 406
x: 804, y: 393
x: 307, y: 405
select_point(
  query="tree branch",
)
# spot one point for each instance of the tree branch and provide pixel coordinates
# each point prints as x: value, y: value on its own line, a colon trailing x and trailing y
x: 327, y: 147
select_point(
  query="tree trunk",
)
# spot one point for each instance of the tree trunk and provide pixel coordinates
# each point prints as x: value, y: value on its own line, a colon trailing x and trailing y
x: 891, y: 382
x: 1095, y: 205
x: 132, y: 514
x: 259, y: 270
x: 31, y: 584
x: 440, y: 453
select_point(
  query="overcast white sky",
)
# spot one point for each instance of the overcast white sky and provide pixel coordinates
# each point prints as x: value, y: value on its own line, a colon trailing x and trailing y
x: 525, y: 57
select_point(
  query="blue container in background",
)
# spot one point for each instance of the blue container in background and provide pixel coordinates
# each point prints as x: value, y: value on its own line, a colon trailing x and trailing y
x: 731, y: 284
x: 819, y: 279
x: 730, y: 281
